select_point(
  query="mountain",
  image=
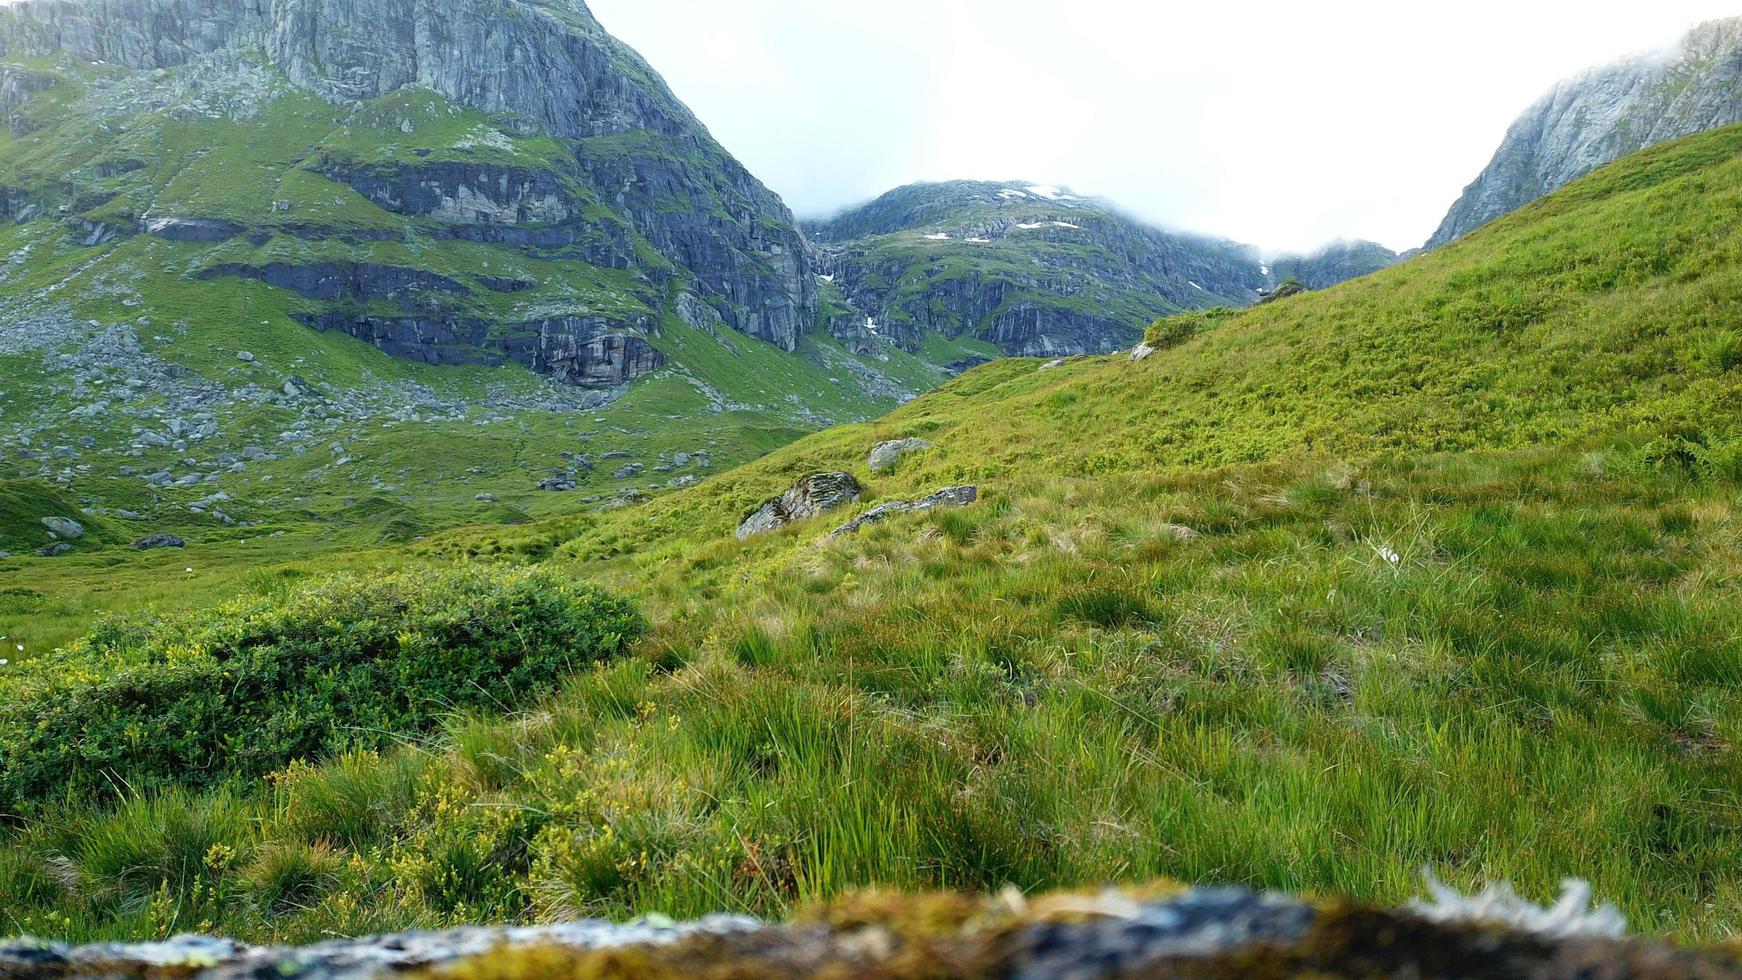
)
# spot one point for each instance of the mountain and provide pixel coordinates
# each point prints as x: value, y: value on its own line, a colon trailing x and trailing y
x: 591, y: 159
x: 1603, y: 115
x: 1027, y: 269
x: 1436, y: 569
x: 1333, y: 264
x: 263, y: 252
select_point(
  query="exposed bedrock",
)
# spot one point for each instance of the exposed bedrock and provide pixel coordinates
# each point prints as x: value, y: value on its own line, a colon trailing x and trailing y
x: 572, y: 349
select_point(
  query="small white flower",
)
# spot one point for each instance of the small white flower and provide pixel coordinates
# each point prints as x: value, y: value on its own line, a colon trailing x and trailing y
x: 190, y: 569
x: 1393, y: 557
x: 4, y: 663
x: 20, y: 648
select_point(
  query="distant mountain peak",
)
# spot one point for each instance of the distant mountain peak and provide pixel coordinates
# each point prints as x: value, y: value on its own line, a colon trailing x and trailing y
x: 1031, y: 268
x: 1603, y: 114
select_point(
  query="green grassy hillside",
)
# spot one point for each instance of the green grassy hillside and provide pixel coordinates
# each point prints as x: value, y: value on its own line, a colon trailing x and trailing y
x: 1438, y: 568
x: 1609, y: 308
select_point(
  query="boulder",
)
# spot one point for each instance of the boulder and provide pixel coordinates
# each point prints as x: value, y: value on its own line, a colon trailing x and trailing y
x: 56, y: 550
x: 64, y: 527
x: 155, y: 542
x: 1205, y: 932
x: 948, y: 497
x: 816, y: 494
x: 888, y: 455
x: 1142, y: 352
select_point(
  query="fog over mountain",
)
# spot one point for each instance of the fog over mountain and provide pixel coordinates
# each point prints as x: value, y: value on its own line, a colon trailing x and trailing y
x: 1177, y: 113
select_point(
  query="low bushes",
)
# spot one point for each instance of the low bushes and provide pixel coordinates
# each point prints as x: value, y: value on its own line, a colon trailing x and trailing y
x: 1172, y: 331
x: 245, y: 689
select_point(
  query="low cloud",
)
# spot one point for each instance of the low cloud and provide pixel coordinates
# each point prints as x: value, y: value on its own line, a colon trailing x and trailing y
x: 1281, y: 124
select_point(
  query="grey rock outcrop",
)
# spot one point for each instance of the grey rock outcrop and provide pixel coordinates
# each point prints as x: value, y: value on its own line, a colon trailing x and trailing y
x: 157, y: 542
x: 578, y: 350
x: 1603, y: 115
x: 816, y: 494
x: 947, y: 497
x: 191, y: 229
x: 888, y: 455
x: 64, y: 527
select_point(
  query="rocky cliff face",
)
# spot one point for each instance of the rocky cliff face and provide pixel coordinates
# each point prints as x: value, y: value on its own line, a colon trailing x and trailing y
x: 1603, y: 115
x: 1034, y: 270
x: 572, y: 150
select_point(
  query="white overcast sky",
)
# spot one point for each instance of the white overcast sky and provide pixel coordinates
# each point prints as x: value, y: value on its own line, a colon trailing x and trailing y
x: 1282, y: 124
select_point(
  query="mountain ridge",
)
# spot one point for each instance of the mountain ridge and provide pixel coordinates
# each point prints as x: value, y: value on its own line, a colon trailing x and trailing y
x: 547, y: 62
x: 948, y: 255
x: 1603, y: 114
x: 1030, y: 268
x: 231, y: 296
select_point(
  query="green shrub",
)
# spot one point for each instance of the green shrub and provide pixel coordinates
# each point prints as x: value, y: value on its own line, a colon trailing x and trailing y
x: 1172, y: 331
x: 253, y: 685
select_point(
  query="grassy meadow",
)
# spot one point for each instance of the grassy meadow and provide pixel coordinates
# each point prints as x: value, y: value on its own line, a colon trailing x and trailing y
x: 1438, y: 569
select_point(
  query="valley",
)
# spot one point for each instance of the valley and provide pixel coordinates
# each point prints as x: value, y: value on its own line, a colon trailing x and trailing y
x: 1414, y: 589
x: 440, y: 486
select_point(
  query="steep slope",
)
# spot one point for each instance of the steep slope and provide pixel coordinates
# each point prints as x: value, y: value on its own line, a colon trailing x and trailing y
x: 1437, y: 568
x: 269, y: 258
x: 1607, y: 308
x: 1333, y: 264
x: 633, y: 151
x: 1033, y: 270
x: 1603, y: 115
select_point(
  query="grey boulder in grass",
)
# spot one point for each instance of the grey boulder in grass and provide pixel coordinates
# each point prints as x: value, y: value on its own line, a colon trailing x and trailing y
x: 155, y: 542
x: 816, y: 494
x: 889, y: 455
x: 947, y: 497
x: 64, y: 527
